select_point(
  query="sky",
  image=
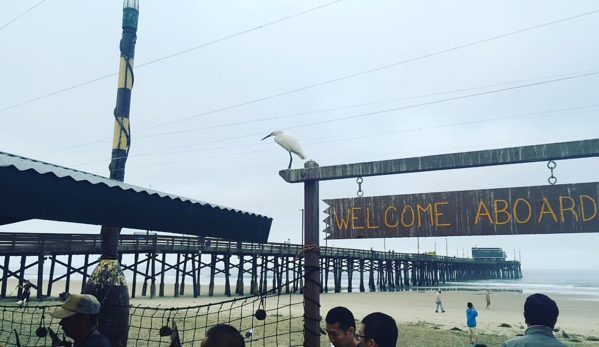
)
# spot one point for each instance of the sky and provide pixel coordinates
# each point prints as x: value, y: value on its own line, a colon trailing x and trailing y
x: 212, y: 78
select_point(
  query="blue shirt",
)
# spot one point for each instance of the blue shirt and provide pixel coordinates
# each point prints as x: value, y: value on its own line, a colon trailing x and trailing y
x: 471, y: 315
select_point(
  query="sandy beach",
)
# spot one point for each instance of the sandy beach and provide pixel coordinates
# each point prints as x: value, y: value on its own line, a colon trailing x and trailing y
x: 578, y: 315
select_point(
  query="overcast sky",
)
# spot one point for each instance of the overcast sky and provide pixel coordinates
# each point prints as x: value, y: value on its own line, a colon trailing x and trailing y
x: 214, y: 77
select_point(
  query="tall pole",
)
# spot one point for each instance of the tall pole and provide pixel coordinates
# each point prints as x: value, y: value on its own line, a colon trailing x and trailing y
x: 303, y: 225
x: 446, y: 248
x: 311, y: 264
x: 107, y: 282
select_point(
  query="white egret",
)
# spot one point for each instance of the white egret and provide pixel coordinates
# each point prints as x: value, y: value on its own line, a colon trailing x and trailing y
x: 289, y: 143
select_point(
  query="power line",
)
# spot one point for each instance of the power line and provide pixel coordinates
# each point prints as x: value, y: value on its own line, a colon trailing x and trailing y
x: 569, y: 110
x: 169, y: 56
x: 461, y: 148
x: 253, y: 121
x: 21, y: 15
x: 298, y: 89
x: 401, y: 108
x: 372, y: 70
x: 56, y: 150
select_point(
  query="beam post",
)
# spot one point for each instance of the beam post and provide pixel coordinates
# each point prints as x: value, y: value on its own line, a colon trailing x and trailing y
x: 311, y: 265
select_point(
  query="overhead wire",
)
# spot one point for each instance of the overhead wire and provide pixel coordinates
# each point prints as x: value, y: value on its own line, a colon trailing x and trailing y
x: 302, y: 88
x: 330, y: 139
x: 459, y: 148
x: 171, y: 55
x: 254, y: 121
x: 352, y: 75
x: 141, y: 137
x: 21, y: 15
x: 374, y: 70
x: 394, y: 109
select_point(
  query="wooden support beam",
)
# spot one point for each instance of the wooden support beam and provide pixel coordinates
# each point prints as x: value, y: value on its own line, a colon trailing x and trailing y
x: 462, y: 160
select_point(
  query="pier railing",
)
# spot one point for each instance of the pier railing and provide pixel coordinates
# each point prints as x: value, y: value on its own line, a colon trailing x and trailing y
x: 40, y: 243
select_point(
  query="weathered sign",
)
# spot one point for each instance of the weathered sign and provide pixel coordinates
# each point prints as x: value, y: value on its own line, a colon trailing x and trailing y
x: 571, y: 208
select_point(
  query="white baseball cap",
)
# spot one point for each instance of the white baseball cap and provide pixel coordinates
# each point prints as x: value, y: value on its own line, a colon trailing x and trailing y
x: 77, y: 303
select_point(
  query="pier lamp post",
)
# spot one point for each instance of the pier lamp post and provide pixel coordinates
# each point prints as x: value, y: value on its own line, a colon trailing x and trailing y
x: 107, y: 282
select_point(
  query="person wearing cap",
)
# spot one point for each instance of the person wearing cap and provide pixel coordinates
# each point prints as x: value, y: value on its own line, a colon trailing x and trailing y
x: 78, y: 319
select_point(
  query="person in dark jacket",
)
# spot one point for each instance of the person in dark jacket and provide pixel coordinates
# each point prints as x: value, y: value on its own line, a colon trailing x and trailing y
x: 540, y: 315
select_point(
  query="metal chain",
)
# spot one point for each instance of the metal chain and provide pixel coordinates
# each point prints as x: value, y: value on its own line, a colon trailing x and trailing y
x: 359, y: 181
x: 552, y: 179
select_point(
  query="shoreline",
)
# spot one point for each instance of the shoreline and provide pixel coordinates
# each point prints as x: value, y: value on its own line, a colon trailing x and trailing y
x: 578, y: 314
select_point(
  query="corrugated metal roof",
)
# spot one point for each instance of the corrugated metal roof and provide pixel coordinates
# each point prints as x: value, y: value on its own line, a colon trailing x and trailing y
x: 19, y: 175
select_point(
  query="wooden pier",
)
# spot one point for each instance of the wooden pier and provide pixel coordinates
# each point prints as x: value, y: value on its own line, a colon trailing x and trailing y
x: 265, y: 266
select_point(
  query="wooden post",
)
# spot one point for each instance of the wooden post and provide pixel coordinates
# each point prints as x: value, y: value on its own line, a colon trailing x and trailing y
x: 67, y: 285
x: 144, y: 288
x: 311, y: 268
x: 264, y: 278
x: 326, y: 275
x: 239, y: 286
x: 153, y: 278
x: 177, y: 273
x: 21, y: 274
x: 278, y: 275
x: 227, y: 259
x: 199, y: 276
x: 362, y: 289
x: 196, y: 280
x: 287, y: 270
x: 134, y: 284
x: 85, y: 266
x: 371, y: 285
x: 350, y: 273
x: 254, y: 281
x: 5, y: 274
x: 163, y: 267
x: 212, y: 272
x: 40, y: 275
x: 51, y: 275
x: 183, y: 274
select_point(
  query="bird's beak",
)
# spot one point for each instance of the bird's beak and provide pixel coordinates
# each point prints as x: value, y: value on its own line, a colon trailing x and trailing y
x: 265, y: 137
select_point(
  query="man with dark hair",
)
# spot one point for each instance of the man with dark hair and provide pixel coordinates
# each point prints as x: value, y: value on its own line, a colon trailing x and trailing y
x: 223, y: 335
x: 79, y: 320
x: 540, y: 315
x: 378, y: 330
x: 341, y: 327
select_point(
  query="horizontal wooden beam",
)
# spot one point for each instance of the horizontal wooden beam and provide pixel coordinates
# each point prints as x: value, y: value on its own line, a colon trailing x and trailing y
x: 462, y: 160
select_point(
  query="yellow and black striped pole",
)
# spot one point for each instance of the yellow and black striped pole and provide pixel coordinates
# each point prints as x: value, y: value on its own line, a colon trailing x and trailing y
x: 107, y: 282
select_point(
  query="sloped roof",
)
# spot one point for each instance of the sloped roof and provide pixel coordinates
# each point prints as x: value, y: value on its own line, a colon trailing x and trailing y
x: 31, y: 189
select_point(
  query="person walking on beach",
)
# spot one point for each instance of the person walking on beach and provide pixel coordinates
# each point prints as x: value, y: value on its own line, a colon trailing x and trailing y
x: 79, y: 321
x: 341, y: 327
x: 439, y: 302
x: 488, y: 298
x: 24, y: 299
x: 471, y: 315
x: 540, y: 315
x: 223, y: 335
x: 378, y: 330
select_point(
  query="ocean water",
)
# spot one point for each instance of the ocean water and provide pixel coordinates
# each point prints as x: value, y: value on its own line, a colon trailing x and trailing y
x: 581, y: 284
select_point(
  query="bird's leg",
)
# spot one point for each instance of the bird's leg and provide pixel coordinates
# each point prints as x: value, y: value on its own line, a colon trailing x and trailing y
x: 290, y: 160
